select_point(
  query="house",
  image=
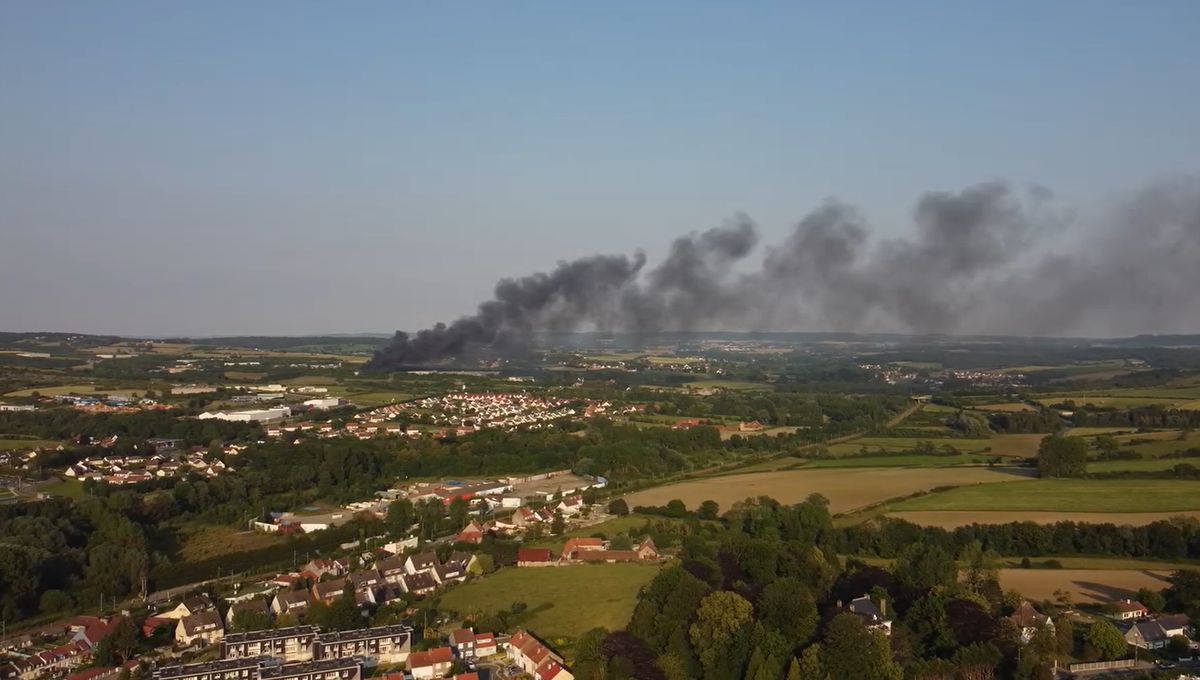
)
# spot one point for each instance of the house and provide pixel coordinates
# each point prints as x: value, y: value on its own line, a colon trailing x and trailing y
x: 422, y: 583
x: 570, y: 506
x: 874, y: 616
x: 328, y: 591
x: 456, y: 568
x: 472, y: 533
x: 531, y: 656
x: 294, y: 643
x: 380, y: 645
x: 392, y: 569
x: 1127, y: 610
x: 366, y: 580
x: 574, y: 546
x: 323, y: 669
x: 435, y: 663
x: 322, y: 567
x: 226, y: 669
x: 421, y: 563
x: 468, y: 645
x: 192, y: 605
x: 259, y: 606
x: 1028, y: 620
x: 1156, y: 633
x: 294, y: 602
x: 200, y: 628
x: 534, y: 557
x: 646, y: 550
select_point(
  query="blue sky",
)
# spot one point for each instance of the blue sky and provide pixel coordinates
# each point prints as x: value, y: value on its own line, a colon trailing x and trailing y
x: 213, y: 167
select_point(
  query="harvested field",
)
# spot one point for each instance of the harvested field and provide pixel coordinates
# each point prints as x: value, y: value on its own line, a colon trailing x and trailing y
x: 1085, y: 585
x: 847, y: 489
x: 950, y: 519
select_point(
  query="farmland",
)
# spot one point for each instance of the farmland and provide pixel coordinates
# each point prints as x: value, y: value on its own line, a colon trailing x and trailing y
x: 554, y: 597
x: 847, y: 489
x: 1084, y: 585
x: 1019, y: 445
x: 1064, y: 495
x: 950, y: 519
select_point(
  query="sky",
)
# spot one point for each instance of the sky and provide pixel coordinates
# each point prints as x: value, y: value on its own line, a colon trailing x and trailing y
x: 217, y: 168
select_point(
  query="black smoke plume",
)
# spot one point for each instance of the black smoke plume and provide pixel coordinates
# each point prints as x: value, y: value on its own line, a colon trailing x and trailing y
x: 990, y: 259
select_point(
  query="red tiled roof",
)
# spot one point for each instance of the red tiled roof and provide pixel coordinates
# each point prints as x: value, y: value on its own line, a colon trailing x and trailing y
x: 533, y: 555
x: 433, y: 656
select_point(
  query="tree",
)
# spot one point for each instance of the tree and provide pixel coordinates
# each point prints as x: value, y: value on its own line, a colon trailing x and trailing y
x: 621, y: 542
x: 980, y: 567
x: 559, y: 524
x: 459, y: 508
x: 851, y: 651
x: 118, y: 646
x: 54, y: 601
x: 1060, y: 456
x: 808, y: 666
x: 251, y: 620
x: 931, y: 633
x: 430, y: 513
x: 618, y: 507
x: 708, y: 510
x: 1153, y: 599
x: 977, y: 662
x: 922, y: 566
x: 787, y: 606
x: 1106, y: 640
x: 720, y: 617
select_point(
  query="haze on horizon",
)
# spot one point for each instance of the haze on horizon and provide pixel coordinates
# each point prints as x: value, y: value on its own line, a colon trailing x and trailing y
x: 220, y: 169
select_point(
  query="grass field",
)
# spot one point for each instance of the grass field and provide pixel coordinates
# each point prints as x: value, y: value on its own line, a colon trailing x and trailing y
x: 376, y: 398
x: 847, y: 489
x: 949, y: 519
x: 1144, y: 465
x: 563, y: 602
x: 727, y: 385
x: 68, y: 488
x: 1020, y: 445
x: 203, y: 542
x: 1065, y: 495
x: 1095, y: 586
x: 7, y: 443
x: 894, y: 461
x: 54, y: 390
x: 1008, y: 407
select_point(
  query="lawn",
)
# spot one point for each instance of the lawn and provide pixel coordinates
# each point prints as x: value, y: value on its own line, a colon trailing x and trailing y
x: 562, y: 602
x: 1065, y: 495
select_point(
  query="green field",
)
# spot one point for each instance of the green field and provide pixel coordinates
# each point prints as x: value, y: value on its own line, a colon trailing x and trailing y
x: 727, y: 385
x: 1063, y: 495
x: 1000, y: 445
x: 64, y: 487
x: 1143, y: 465
x: 562, y: 602
x: 370, y: 399
x: 21, y: 443
x: 892, y: 461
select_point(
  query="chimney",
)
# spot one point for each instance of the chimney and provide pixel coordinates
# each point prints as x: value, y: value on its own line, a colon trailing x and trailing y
x: 883, y: 607
x: 839, y: 605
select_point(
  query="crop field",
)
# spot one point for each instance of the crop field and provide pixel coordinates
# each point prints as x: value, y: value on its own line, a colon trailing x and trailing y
x: 847, y: 489
x: 1065, y: 495
x: 950, y: 519
x: 555, y: 596
x: 737, y: 385
x: 1095, y: 586
x: 1020, y: 445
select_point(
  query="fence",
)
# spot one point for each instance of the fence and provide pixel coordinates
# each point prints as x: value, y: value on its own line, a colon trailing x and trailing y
x: 1102, y: 665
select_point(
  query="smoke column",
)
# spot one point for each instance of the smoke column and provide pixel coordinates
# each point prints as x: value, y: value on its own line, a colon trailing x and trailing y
x: 980, y: 260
